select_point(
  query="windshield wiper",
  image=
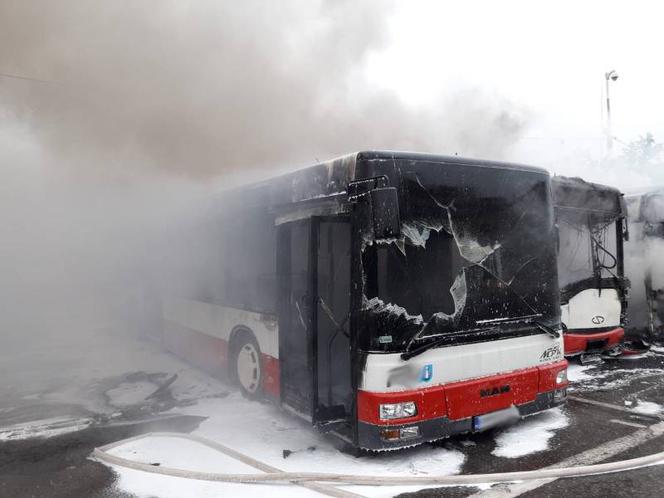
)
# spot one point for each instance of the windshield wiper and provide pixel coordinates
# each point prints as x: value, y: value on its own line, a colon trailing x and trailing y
x: 446, y: 337
x: 508, y: 319
x: 531, y: 319
x: 418, y: 351
x: 437, y: 342
x: 545, y: 328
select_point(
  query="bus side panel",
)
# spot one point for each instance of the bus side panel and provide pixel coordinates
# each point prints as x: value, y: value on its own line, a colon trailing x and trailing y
x: 201, y: 350
x: 200, y: 333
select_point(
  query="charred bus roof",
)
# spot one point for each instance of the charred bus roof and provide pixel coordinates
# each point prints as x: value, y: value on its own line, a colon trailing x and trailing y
x: 330, y: 179
x: 387, y: 156
x: 575, y: 198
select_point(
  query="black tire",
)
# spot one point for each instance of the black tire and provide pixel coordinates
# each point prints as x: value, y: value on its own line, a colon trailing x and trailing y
x: 246, y: 366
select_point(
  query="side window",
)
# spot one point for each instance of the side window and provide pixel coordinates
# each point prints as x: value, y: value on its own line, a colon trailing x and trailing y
x: 248, y: 255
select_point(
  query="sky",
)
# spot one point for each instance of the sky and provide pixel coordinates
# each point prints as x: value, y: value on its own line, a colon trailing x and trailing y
x: 548, y: 58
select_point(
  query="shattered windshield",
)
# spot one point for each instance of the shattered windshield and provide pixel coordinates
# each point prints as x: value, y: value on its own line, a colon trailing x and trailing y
x: 476, y: 248
x: 588, y: 250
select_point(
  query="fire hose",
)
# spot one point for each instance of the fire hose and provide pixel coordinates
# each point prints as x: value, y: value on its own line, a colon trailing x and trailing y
x: 273, y: 475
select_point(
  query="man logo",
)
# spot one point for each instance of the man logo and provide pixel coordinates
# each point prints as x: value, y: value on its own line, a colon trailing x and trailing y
x: 494, y: 391
x: 597, y: 320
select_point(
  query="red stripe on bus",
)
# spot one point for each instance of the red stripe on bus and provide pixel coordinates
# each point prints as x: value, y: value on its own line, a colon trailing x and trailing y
x: 202, y: 350
x: 576, y: 341
x: 270, y: 375
x: 430, y: 403
x: 464, y: 399
x: 211, y: 354
x: 478, y: 396
x: 548, y: 373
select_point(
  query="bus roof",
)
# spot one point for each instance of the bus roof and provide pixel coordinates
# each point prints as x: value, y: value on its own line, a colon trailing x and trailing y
x: 578, y: 194
x: 330, y: 178
x: 440, y: 158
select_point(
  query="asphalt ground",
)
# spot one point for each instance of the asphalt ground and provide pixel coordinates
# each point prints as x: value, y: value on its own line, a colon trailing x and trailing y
x: 613, y: 383
x: 59, y: 467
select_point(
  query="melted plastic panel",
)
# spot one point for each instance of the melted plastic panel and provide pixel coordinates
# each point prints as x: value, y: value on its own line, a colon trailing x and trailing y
x: 468, y: 236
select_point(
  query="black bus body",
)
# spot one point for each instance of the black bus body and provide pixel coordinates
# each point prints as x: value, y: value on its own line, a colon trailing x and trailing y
x: 388, y: 298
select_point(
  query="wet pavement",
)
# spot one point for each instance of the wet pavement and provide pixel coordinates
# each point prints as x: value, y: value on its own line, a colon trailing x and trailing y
x: 620, y: 384
x: 58, y: 466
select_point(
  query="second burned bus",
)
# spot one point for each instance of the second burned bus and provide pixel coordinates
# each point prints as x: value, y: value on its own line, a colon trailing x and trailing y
x: 387, y: 298
x: 592, y: 225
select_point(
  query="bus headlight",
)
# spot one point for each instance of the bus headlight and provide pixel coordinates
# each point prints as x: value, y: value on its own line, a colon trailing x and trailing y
x: 561, y: 378
x: 398, y: 410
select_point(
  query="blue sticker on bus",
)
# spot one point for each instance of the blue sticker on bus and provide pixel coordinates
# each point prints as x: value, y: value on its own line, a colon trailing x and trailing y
x: 427, y: 373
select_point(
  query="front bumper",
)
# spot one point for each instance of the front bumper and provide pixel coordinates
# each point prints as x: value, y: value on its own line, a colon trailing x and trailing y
x: 370, y: 435
x: 577, y: 342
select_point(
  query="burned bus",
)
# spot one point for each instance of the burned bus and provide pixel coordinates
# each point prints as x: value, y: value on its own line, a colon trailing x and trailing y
x: 592, y: 225
x: 387, y: 298
x: 644, y: 256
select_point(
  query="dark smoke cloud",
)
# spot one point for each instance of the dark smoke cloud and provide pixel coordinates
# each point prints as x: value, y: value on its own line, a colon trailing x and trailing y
x: 202, y: 88
x: 124, y: 112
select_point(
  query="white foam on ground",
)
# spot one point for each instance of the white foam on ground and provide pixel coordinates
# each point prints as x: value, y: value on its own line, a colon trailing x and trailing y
x: 647, y: 408
x: 188, y: 455
x: 143, y: 484
x: 579, y: 373
x: 593, y: 378
x: 262, y: 431
x: 531, y: 435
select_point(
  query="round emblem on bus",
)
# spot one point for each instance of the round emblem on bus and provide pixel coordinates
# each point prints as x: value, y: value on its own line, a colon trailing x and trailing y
x: 597, y: 319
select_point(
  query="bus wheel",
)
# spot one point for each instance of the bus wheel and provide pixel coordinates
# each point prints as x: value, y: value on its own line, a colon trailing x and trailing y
x: 248, y: 371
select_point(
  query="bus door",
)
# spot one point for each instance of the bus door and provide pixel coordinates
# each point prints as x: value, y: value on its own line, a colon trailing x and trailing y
x: 296, y: 311
x: 333, y: 389
x: 314, y: 340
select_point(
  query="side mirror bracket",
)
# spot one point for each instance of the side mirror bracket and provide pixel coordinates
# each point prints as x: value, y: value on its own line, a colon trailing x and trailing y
x: 379, y: 206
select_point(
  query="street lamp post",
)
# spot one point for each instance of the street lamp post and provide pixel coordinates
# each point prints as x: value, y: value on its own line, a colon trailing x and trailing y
x: 610, y: 76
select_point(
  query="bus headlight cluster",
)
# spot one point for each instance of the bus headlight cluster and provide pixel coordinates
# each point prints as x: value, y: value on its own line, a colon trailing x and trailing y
x: 398, y: 410
x: 561, y: 378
